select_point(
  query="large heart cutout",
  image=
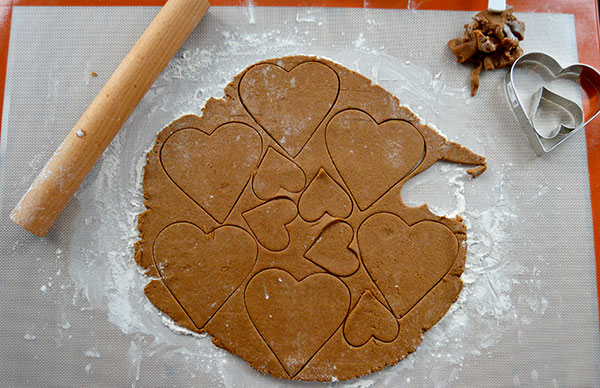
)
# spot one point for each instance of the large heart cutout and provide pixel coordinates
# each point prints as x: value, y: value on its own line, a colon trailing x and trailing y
x: 296, y: 318
x: 203, y: 270
x: 331, y: 249
x: 289, y: 105
x: 277, y: 172
x: 372, y: 157
x: 268, y: 220
x: 405, y: 262
x: 324, y: 195
x: 370, y: 319
x: 212, y: 169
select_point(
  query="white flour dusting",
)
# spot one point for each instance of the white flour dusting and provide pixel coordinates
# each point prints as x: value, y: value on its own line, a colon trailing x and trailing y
x: 29, y: 337
x: 92, y: 353
x: 107, y: 278
x: 250, y: 11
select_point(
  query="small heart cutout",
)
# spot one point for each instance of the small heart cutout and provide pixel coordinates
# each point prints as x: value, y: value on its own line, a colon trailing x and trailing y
x: 268, y: 221
x: 324, y: 195
x: 212, y: 169
x: 405, y: 262
x: 203, y: 270
x: 277, y: 172
x: 372, y: 157
x: 289, y: 105
x: 296, y: 318
x: 370, y: 319
x: 331, y: 249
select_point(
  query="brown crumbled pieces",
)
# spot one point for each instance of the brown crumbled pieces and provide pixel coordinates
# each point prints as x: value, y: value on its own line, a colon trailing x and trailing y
x: 476, y: 171
x: 94, y: 74
x: 491, y: 40
x: 475, y: 78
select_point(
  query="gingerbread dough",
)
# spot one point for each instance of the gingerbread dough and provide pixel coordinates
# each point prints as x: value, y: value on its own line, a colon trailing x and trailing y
x: 491, y: 41
x: 274, y: 223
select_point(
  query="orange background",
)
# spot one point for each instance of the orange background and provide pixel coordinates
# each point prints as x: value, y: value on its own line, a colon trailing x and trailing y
x: 587, y: 30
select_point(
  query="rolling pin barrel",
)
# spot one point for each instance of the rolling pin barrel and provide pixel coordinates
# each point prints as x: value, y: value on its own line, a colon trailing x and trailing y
x: 83, y: 146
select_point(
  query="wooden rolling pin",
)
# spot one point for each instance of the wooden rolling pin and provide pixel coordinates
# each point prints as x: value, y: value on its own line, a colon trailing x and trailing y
x: 83, y: 146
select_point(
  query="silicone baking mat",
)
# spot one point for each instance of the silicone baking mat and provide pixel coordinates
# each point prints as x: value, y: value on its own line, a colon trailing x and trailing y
x: 72, y: 307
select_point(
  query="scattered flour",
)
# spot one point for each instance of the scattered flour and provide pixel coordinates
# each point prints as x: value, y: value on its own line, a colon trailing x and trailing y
x: 29, y: 337
x: 92, y: 353
x: 250, y: 12
x: 359, y: 41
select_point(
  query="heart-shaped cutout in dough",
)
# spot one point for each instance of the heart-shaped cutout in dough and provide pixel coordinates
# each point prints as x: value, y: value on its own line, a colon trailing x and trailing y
x: 370, y: 319
x: 324, y: 196
x: 331, y: 249
x: 276, y: 173
x: 289, y: 105
x: 405, y: 262
x: 268, y: 222
x: 372, y: 157
x: 212, y: 169
x: 203, y: 270
x: 295, y: 318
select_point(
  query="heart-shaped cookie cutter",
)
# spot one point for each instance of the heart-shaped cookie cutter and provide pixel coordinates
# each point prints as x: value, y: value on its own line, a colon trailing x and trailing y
x: 589, y: 79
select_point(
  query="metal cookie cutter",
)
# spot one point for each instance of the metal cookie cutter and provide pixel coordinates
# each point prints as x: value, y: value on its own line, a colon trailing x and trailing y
x: 587, y: 77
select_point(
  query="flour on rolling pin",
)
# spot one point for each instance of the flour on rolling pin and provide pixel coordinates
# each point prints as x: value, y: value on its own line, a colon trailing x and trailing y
x: 73, y: 160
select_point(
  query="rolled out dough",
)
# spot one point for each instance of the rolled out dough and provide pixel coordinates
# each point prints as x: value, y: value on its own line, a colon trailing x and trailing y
x: 274, y: 223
